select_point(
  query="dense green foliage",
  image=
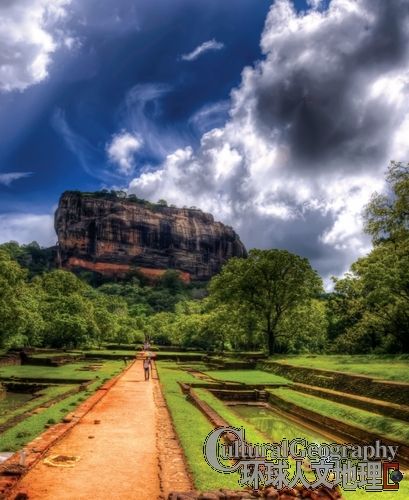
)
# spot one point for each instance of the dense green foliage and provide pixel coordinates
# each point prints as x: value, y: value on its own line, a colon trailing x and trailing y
x: 369, y: 310
x: 274, y: 285
x: 57, y: 309
x: 32, y: 257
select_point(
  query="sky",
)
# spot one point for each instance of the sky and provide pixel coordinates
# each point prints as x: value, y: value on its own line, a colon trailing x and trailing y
x: 279, y: 117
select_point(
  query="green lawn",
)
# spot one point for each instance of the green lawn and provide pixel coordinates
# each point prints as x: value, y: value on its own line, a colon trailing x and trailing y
x: 74, y: 371
x: 384, y: 367
x: 383, y: 426
x: 247, y: 376
x: 18, y: 436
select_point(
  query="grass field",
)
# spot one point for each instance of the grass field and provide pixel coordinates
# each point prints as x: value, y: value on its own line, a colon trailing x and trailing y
x: 383, y: 426
x: 19, y: 435
x: 384, y: 367
x: 247, y: 376
x: 74, y: 371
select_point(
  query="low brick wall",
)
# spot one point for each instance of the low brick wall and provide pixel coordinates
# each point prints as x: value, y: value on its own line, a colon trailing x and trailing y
x: 10, y: 360
x: 46, y: 380
x: 179, y: 356
x: 208, y: 412
x: 52, y: 360
x: 268, y: 493
x: 236, y: 395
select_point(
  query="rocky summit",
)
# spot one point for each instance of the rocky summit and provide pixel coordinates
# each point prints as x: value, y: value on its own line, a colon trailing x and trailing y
x: 112, y: 234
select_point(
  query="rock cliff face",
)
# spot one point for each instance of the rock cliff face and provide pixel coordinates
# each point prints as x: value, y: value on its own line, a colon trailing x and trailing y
x: 112, y: 236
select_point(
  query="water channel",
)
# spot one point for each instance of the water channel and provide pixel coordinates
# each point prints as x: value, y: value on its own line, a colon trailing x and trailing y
x: 9, y: 401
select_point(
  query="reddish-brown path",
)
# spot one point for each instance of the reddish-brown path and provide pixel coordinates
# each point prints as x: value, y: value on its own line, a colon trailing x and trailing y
x: 118, y: 456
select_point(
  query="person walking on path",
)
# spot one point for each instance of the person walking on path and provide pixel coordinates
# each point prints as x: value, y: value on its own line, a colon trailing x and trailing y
x: 146, y: 367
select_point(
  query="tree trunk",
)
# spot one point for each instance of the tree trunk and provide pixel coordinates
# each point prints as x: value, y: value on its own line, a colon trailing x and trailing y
x: 271, y: 341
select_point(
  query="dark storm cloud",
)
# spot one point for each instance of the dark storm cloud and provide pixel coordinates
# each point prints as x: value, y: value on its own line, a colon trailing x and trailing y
x: 303, y: 238
x: 314, y: 91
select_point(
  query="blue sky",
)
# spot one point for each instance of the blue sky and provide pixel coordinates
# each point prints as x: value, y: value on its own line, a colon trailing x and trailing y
x: 279, y: 117
x: 131, y: 43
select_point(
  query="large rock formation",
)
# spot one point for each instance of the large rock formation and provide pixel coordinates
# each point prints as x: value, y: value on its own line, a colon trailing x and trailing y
x: 112, y: 235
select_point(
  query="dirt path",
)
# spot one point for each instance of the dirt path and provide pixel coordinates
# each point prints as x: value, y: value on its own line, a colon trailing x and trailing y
x: 118, y: 457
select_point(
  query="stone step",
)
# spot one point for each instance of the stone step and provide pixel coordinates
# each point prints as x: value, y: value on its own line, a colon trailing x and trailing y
x: 386, y: 408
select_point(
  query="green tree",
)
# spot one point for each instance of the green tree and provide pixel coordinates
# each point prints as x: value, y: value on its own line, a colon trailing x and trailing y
x: 70, y: 321
x: 161, y: 329
x: 108, y: 311
x: 66, y: 330
x: 32, y: 257
x: 58, y: 283
x: 171, y: 281
x: 20, y: 320
x: 346, y: 305
x: 375, y: 295
x: 270, y: 283
x: 305, y: 329
x: 387, y: 215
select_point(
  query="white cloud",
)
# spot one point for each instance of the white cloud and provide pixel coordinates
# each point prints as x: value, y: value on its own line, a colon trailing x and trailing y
x: 25, y: 228
x: 210, y: 116
x: 312, y: 129
x: 315, y: 4
x: 28, y: 38
x: 7, y: 178
x: 71, y: 42
x: 121, y: 150
x: 201, y: 49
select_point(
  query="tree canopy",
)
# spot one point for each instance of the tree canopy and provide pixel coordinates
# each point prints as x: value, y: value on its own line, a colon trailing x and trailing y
x: 372, y: 302
x: 270, y: 283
